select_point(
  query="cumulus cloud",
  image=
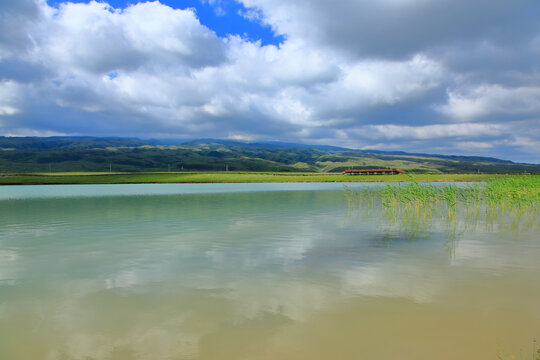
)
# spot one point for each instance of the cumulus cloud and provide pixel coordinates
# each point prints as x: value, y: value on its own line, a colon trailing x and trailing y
x: 394, y: 73
x: 492, y: 100
x: 97, y: 38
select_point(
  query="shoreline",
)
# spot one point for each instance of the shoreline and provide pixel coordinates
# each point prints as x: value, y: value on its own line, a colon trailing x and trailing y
x: 229, y: 177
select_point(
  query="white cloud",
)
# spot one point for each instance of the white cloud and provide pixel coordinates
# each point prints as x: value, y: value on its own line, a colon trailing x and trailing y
x: 385, y: 82
x: 9, y: 94
x: 97, y: 38
x: 217, y: 6
x: 7, y: 110
x: 438, y: 131
x: 488, y: 100
x: 251, y: 14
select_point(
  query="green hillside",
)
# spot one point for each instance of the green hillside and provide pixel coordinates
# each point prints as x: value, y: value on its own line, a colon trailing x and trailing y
x: 88, y: 154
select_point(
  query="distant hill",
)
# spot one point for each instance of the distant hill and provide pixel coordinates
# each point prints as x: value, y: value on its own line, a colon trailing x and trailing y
x: 58, y: 154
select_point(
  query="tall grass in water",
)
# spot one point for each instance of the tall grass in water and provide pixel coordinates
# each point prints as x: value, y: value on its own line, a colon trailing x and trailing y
x: 511, y: 203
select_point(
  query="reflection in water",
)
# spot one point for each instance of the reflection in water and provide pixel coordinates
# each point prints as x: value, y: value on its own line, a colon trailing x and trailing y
x: 261, y: 275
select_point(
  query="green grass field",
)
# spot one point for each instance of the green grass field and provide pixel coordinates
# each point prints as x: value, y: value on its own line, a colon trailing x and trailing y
x: 224, y: 177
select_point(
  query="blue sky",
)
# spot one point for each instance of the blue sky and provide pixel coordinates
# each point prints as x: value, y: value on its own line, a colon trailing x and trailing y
x: 448, y: 76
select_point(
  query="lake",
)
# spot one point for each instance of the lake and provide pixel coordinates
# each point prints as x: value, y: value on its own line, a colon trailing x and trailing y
x: 255, y: 271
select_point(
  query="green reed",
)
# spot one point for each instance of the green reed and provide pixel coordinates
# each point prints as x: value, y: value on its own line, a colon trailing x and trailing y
x: 510, y: 203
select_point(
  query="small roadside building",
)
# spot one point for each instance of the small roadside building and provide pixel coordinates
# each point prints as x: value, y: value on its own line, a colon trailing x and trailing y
x: 373, y: 172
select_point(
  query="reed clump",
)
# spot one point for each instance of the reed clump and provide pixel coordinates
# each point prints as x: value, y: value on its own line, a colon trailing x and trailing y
x: 511, y: 202
x: 513, y: 192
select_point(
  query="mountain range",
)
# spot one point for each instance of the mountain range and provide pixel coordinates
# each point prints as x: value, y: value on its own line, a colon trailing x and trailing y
x: 61, y: 154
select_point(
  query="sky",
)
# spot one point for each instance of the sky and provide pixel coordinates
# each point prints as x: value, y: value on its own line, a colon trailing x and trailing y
x: 433, y: 76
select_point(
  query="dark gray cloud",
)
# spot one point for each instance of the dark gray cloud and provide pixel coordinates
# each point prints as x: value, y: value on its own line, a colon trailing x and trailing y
x: 23, y: 71
x: 15, y: 16
x: 400, y: 28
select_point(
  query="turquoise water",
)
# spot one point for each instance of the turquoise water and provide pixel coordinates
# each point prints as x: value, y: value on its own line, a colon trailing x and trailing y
x: 251, y: 271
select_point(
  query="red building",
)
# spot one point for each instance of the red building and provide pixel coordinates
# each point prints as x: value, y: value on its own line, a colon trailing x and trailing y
x: 373, y: 172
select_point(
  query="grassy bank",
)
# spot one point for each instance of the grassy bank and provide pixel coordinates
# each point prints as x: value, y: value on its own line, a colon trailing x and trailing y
x: 223, y: 177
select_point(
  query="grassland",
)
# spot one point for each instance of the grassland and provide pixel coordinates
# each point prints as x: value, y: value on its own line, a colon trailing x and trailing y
x: 225, y: 177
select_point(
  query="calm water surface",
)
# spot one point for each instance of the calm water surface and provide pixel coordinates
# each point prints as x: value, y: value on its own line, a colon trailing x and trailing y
x: 252, y: 271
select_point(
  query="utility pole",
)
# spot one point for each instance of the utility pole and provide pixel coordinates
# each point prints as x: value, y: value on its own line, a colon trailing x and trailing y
x: 168, y: 167
x: 226, y: 167
x: 110, y: 167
